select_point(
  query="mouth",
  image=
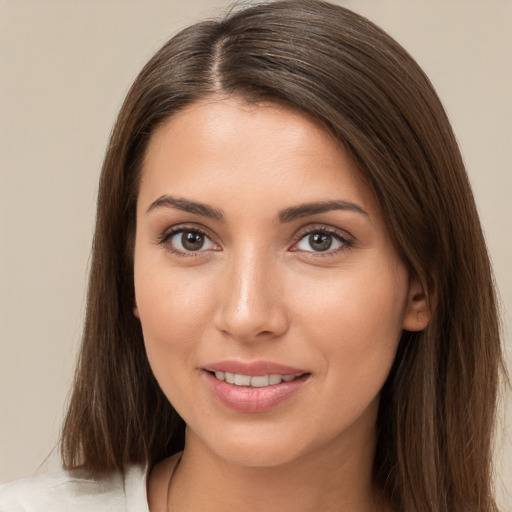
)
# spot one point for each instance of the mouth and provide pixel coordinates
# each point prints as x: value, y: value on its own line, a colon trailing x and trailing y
x: 254, y: 387
x: 255, y: 381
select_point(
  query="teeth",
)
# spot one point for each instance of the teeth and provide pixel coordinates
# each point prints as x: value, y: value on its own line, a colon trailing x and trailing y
x: 274, y: 379
x: 259, y: 381
x: 242, y: 380
x: 256, y: 381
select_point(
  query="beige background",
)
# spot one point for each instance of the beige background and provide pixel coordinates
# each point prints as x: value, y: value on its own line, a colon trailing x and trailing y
x: 64, y: 69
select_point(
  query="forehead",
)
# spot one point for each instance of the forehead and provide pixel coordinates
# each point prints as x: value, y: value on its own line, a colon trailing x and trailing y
x: 217, y: 148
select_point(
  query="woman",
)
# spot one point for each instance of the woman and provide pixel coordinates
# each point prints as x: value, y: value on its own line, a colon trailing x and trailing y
x: 288, y: 252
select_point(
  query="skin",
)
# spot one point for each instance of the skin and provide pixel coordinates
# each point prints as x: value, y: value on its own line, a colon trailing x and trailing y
x: 259, y: 289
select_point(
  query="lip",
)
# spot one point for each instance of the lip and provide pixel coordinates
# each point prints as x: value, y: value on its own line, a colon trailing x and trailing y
x: 251, y: 399
x: 255, y: 368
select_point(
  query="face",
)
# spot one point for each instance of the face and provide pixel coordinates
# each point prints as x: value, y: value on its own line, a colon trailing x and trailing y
x: 270, y: 295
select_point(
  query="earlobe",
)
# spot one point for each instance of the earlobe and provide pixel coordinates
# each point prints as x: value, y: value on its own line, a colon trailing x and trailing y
x: 417, y: 314
x: 136, y: 311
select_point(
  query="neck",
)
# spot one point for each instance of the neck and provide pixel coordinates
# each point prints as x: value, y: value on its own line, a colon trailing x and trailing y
x: 336, y: 477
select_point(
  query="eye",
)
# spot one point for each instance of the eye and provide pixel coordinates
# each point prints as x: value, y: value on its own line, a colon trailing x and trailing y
x: 322, y: 241
x: 187, y: 240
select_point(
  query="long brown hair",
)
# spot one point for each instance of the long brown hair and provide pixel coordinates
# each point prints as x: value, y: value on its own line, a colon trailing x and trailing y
x: 437, y: 407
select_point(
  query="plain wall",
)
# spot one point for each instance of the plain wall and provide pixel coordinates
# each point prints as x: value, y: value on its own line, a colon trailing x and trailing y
x: 65, y: 67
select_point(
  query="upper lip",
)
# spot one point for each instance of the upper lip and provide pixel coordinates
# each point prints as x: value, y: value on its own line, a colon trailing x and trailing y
x: 253, y: 368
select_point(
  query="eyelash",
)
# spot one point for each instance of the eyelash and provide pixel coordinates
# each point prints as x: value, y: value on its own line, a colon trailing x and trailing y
x: 344, y: 239
x: 168, y: 235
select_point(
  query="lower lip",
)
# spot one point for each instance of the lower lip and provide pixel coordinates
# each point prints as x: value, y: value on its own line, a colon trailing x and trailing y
x: 249, y: 399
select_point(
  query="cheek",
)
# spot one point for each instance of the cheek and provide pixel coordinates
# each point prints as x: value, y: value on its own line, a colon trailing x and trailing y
x: 173, y: 309
x: 356, y: 322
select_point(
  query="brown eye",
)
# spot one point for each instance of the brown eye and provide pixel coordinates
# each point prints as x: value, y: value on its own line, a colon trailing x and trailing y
x: 320, y: 241
x: 183, y: 241
x: 192, y: 240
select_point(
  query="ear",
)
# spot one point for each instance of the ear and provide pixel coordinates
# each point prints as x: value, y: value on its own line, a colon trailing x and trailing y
x: 136, y: 310
x: 417, y: 313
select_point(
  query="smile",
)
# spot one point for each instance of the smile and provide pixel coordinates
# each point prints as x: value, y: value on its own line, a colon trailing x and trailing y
x: 254, y: 381
x: 258, y: 389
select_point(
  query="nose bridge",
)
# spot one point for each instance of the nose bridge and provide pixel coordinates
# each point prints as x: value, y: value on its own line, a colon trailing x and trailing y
x: 250, y: 303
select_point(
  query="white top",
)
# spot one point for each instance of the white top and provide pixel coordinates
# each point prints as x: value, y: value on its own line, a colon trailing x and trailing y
x: 76, y: 491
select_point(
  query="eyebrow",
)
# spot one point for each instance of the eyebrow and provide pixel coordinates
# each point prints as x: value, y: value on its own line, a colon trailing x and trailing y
x: 286, y: 215
x: 186, y: 206
x: 303, y: 210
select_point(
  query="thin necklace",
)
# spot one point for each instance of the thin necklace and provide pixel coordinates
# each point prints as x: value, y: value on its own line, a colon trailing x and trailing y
x: 169, y: 509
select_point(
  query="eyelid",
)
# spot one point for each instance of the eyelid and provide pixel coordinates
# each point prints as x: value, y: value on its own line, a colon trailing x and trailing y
x: 343, y: 236
x: 171, y: 231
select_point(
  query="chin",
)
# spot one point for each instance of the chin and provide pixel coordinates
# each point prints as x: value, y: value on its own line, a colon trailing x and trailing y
x: 259, y: 455
x: 252, y: 447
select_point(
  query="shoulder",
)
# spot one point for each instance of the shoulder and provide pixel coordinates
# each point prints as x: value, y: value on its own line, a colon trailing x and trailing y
x: 76, y: 490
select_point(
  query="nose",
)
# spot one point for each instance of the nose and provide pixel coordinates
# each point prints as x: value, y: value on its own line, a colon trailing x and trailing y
x: 251, y: 306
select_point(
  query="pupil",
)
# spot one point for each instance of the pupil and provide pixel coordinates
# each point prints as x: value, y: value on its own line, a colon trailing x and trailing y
x: 192, y: 241
x: 320, y: 242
